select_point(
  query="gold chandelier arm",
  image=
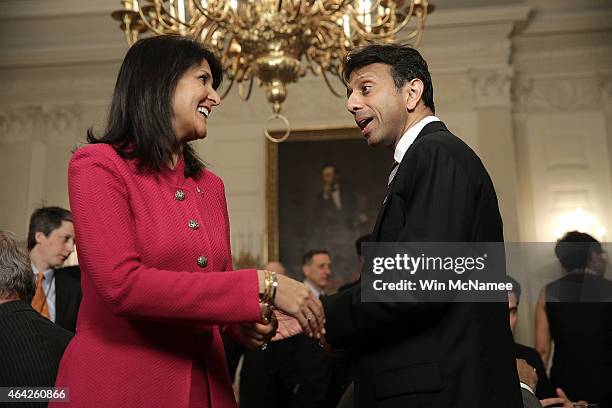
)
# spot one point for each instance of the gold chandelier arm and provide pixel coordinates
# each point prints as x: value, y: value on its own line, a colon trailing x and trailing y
x: 145, y: 20
x: 298, y: 10
x: 323, y: 10
x: 178, y: 21
x: 161, y: 15
x: 324, y: 44
x: 418, y: 33
x: 329, y: 85
x: 241, y: 89
x: 229, y: 87
x: 383, y: 34
x: 310, y: 64
x: 217, y: 18
x: 374, y: 7
x: 207, y: 31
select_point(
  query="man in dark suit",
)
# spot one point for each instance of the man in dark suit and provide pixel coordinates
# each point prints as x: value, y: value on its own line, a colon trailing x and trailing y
x: 50, y: 242
x: 315, y: 374
x: 418, y: 354
x: 31, y: 345
x: 544, y: 388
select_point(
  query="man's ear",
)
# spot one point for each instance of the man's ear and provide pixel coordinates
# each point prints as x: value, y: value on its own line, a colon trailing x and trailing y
x: 413, y: 91
x: 38, y: 236
x: 304, y: 270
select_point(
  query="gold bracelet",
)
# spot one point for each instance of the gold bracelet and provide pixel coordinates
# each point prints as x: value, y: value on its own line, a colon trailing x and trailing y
x: 266, y: 312
x: 270, y: 284
x: 266, y: 286
x: 274, y: 286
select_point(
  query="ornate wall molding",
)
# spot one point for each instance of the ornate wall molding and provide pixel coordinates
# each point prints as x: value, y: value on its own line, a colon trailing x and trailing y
x: 44, y: 123
x: 491, y: 87
x: 605, y: 84
x: 565, y: 94
x: 17, y: 124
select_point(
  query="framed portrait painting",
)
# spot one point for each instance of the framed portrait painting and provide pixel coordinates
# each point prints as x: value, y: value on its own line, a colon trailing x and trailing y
x: 324, y: 190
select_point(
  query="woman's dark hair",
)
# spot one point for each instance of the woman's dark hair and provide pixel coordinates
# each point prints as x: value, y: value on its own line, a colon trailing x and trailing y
x: 406, y: 64
x: 574, y: 250
x: 140, y: 116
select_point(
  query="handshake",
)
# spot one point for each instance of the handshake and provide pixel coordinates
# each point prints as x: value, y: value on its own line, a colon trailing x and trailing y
x: 287, y: 308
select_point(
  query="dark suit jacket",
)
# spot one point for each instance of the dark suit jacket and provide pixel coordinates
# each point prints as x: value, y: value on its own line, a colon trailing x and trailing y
x: 67, y: 296
x: 31, y: 345
x: 315, y: 374
x: 265, y: 380
x: 544, y: 389
x: 431, y: 354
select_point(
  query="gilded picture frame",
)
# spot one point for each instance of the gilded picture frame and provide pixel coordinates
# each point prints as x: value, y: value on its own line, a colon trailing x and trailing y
x: 303, y: 215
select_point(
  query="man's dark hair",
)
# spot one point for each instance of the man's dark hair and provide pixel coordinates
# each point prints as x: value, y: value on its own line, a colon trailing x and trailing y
x: 361, y: 240
x: 46, y: 220
x: 140, y: 117
x: 574, y: 250
x: 405, y: 62
x: 516, y: 288
x: 307, y: 258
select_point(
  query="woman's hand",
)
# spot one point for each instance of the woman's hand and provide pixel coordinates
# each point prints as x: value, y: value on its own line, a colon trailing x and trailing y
x: 296, y: 300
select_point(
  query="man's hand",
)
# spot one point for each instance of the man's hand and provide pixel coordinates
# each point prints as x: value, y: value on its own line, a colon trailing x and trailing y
x: 561, y: 399
x: 527, y: 374
x: 256, y: 335
x: 287, y: 326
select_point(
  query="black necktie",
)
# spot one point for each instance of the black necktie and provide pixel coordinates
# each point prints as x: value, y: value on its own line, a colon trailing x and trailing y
x: 393, y: 172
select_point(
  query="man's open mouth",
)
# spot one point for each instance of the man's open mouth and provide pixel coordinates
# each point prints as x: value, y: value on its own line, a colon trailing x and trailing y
x: 363, y: 123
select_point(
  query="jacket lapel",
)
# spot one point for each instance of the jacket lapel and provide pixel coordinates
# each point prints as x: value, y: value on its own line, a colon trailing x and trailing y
x: 60, y: 298
x: 429, y: 128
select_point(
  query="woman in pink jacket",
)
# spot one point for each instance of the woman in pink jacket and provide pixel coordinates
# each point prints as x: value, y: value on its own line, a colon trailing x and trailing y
x: 153, y: 234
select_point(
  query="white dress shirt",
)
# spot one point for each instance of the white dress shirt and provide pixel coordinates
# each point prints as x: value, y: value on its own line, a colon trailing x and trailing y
x: 407, y: 139
x: 314, y: 290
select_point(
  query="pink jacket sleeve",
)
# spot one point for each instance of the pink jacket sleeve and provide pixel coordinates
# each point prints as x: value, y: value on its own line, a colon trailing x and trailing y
x: 106, y: 243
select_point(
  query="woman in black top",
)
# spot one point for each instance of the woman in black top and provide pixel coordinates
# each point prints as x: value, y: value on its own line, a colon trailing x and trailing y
x: 575, y: 312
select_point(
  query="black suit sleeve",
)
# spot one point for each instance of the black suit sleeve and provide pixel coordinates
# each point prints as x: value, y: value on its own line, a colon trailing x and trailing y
x: 233, y: 352
x: 68, y: 296
x: 544, y: 388
x: 433, y: 200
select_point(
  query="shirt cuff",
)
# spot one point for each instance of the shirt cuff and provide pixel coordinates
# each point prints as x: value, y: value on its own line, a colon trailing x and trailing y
x: 528, y: 388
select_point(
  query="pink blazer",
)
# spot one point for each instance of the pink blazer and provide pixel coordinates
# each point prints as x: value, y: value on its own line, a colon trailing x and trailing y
x: 158, y: 286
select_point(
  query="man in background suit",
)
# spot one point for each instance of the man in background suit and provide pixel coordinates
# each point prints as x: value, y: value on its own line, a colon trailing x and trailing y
x: 315, y: 374
x: 31, y: 346
x: 50, y: 242
x: 544, y: 389
x: 421, y: 355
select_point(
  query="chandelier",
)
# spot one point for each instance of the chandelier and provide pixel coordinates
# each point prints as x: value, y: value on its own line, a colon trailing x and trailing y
x: 277, y: 41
